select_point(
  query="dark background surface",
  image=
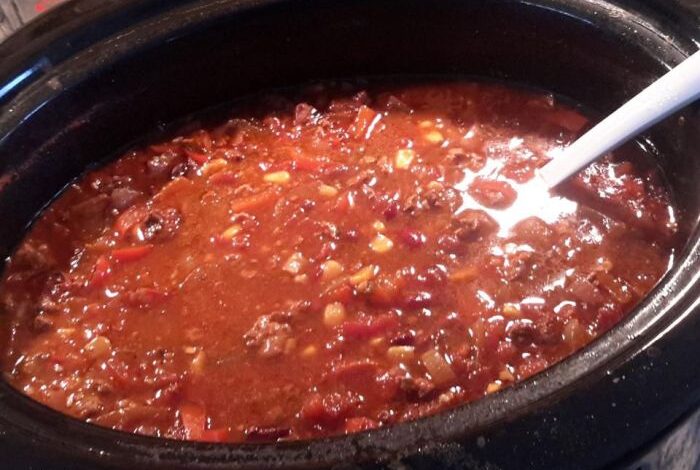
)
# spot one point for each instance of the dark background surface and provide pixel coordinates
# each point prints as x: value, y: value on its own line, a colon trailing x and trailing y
x: 679, y: 448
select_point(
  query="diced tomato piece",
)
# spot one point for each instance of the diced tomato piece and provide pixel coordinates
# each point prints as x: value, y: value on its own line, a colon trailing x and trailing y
x: 385, y: 292
x: 306, y: 164
x: 214, y: 435
x: 266, y: 434
x: 359, y: 424
x: 492, y: 193
x: 344, y: 203
x: 568, y: 119
x: 193, y: 419
x: 369, y: 327
x: 355, y: 375
x: 417, y: 300
x: 131, y: 253
x: 531, y: 366
x: 252, y: 202
x: 364, y: 122
x: 329, y: 410
x: 341, y: 293
x: 224, y: 178
x: 129, y: 218
x: 145, y: 297
x: 100, y: 272
x: 120, y: 372
x: 162, y: 148
x: 197, y: 157
x: 412, y: 238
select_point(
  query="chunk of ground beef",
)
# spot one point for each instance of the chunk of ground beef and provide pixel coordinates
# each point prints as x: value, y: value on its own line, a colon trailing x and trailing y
x: 161, y: 224
x: 268, y: 336
x: 473, y: 224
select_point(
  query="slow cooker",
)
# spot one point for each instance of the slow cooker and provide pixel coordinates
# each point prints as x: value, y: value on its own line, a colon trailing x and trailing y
x: 87, y: 79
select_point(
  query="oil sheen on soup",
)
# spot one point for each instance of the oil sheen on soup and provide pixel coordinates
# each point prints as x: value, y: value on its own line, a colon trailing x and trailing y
x: 328, y: 260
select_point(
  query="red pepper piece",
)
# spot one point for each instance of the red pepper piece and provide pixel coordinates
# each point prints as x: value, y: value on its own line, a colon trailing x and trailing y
x: 100, y: 272
x: 131, y: 253
x: 355, y: 375
x: 214, y: 435
x: 145, y: 297
x: 252, y: 202
x: 197, y: 157
x: 305, y: 164
x: 359, y: 424
x: 369, y: 327
x: 194, y: 420
x: 224, y: 178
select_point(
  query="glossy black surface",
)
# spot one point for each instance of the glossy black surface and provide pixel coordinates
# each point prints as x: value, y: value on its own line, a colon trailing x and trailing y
x: 89, y: 78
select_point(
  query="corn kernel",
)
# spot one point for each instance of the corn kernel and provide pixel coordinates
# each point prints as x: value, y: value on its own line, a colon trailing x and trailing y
x: 434, y: 137
x: 506, y: 376
x: 326, y: 190
x: 403, y: 158
x: 334, y: 314
x: 309, y: 351
x: 277, y: 177
x: 381, y: 244
x: 231, y: 232
x: 493, y: 387
x: 331, y: 269
x: 379, y: 226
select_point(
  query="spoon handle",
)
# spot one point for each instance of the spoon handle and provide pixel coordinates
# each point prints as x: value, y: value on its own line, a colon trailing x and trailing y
x: 668, y: 94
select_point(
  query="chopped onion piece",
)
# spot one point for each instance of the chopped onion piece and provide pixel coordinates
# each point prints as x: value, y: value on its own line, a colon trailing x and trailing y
x: 363, y: 275
x: 400, y: 353
x: 98, y: 347
x: 438, y: 368
x: 294, y: 263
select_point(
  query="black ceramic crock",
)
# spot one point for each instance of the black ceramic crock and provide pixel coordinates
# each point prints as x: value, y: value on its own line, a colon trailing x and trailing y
x: 90, y: 77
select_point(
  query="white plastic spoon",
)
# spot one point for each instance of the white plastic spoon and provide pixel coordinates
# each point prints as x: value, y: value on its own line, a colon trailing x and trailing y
x: 676, y: 89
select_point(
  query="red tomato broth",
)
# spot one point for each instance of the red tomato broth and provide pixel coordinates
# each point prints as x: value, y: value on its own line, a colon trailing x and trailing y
x: 328, y: 262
